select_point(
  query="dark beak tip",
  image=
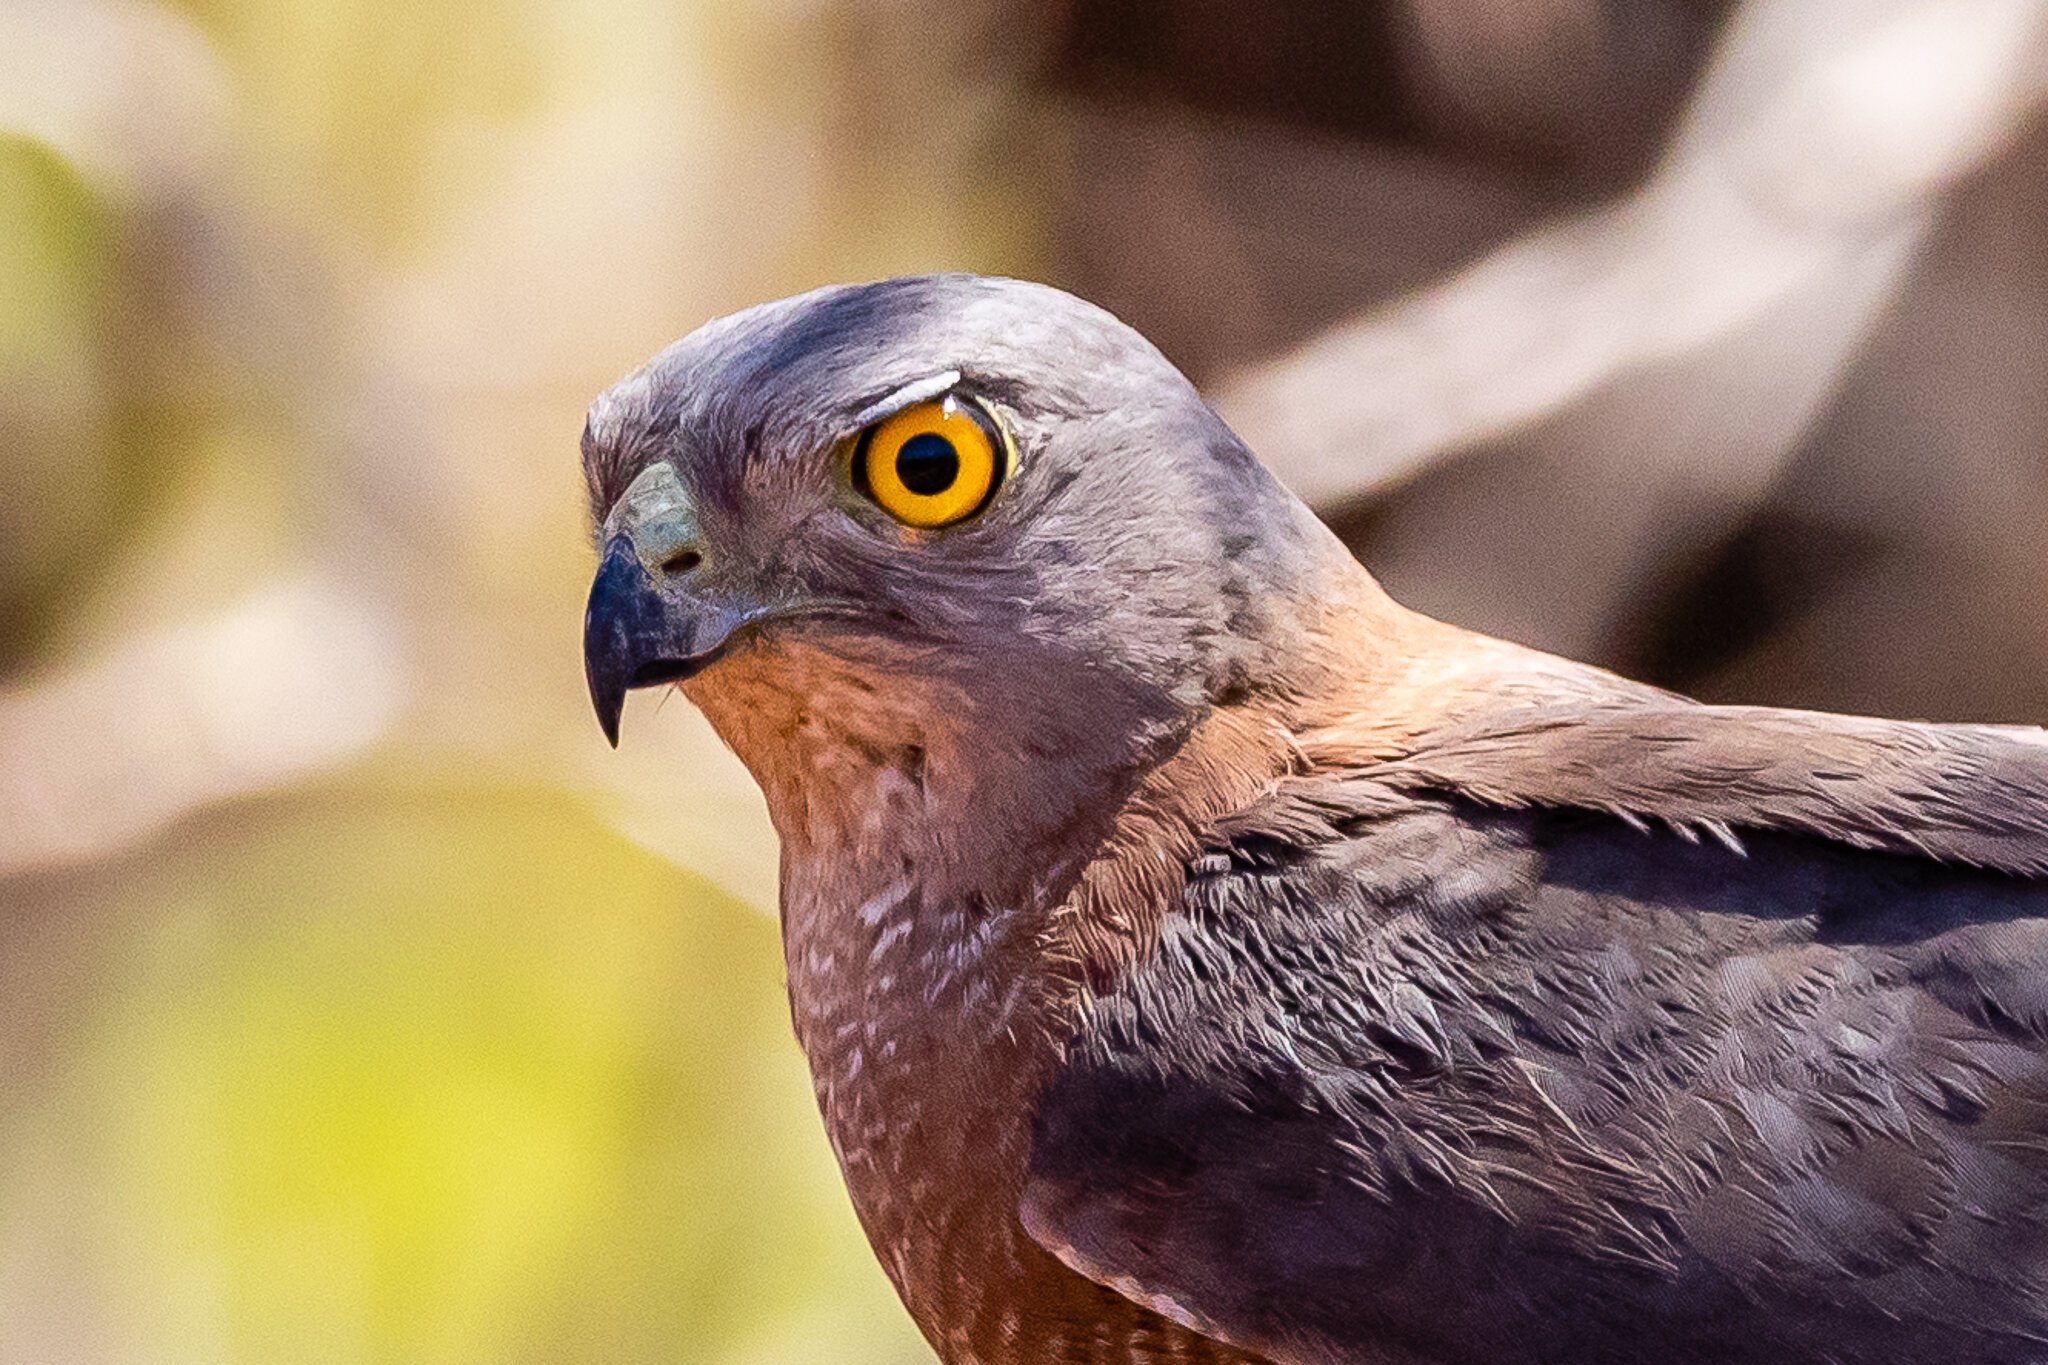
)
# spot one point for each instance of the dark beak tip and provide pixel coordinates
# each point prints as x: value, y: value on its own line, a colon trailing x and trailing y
x: 608, y: 699
x: 608, y: 712
x: 620, y: 601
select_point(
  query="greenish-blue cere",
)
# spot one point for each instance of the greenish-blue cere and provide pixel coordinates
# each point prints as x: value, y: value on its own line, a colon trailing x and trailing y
x: 451, y: 1074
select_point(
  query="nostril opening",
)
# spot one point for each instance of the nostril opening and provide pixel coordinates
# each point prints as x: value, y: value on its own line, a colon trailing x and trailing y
x: 682, y: 561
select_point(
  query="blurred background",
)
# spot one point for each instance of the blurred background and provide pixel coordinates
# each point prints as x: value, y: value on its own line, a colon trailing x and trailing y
x: 358, y: 1004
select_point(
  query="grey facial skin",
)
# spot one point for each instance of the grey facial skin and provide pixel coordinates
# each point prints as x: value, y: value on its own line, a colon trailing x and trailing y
x: 1200, y: 957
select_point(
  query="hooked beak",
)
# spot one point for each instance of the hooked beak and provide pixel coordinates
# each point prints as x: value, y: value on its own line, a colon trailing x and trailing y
x: 648, y: 623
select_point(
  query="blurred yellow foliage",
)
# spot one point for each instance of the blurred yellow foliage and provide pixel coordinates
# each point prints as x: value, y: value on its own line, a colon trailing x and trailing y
x: 385, y: 1071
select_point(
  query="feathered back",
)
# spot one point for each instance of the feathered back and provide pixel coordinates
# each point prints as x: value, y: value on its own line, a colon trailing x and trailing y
x: 1974, y: 795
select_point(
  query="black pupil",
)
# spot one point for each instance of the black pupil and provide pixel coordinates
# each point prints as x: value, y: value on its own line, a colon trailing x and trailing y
x: 927, y: 464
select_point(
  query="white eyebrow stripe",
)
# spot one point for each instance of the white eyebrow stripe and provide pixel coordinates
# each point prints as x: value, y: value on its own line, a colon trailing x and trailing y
x: 917, y: 391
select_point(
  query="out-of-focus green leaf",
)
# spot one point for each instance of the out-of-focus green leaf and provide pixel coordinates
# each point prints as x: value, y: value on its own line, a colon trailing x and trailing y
x: 53, y: 244
x: 54, y: 279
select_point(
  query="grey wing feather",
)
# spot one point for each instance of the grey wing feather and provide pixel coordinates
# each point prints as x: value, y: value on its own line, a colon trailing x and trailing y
x: 1958, y: 793
x: 1417, y: 1078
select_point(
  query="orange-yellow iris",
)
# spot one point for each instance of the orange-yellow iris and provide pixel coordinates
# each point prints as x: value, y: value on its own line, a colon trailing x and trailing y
x: 931, y: 464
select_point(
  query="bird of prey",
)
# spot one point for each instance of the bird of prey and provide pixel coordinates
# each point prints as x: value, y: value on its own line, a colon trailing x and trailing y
x: 1202, y: 958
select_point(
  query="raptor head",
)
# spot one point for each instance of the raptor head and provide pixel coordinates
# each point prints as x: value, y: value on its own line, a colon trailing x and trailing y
x: 973, y: 530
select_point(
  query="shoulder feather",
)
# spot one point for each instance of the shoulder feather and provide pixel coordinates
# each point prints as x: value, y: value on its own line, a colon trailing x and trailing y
x: 1974, y: 795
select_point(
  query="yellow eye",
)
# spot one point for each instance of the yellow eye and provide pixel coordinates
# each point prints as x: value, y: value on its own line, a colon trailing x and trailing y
x: 932, y: 464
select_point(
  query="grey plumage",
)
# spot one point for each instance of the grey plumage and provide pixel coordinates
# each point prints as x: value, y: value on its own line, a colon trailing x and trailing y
x: 1531, y: 1084
x: 1200, y: 957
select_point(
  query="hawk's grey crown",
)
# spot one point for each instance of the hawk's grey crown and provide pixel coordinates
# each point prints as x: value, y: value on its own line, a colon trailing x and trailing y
x: 1136, y: 533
